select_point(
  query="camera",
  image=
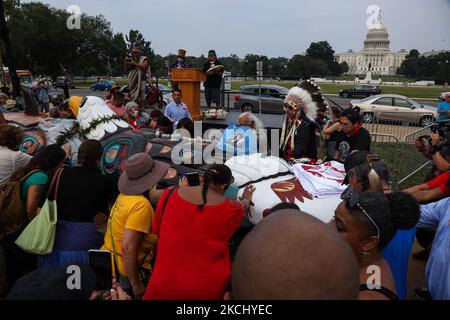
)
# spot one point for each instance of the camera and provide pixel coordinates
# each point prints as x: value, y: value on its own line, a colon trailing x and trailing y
x: 442, y: 129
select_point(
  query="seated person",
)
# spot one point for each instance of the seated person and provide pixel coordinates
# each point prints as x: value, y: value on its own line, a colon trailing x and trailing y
x: 3, y: 99
x: 55, y: 113
x: 303, y: 139
x: 177, y: 110
x: 299, y: 137
x: 164, y: 125
x: 154, y: 116
x: 110, y: 96
x: 132, y: 114
x: 116, y: 104
x: 188, y: 125
x: 248, y: 119
x: 331, y: 131
x: 353, y: 137
x: 433, y: 190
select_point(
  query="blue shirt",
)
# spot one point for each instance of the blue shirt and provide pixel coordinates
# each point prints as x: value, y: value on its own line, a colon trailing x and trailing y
x: 397, y: 254
x: 443, y: 106
x: 437, y: 274
x: 177, y: 112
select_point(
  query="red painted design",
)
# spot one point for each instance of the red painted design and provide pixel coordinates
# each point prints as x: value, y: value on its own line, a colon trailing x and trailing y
x: 290, y: 190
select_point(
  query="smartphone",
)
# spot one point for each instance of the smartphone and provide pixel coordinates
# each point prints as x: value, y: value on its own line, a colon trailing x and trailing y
x: 193, y: 179
x: 100, y: 262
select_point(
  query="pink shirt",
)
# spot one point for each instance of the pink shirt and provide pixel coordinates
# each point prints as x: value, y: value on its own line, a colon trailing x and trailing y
x: 118, y: 110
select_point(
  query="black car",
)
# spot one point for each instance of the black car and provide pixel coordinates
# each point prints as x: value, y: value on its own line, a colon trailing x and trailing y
x: 364, y: 90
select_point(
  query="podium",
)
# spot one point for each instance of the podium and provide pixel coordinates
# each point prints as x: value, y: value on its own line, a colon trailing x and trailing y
x: 189, y: 82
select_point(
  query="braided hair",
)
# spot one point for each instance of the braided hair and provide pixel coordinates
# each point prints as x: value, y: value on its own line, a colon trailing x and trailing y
x: 218, y: 174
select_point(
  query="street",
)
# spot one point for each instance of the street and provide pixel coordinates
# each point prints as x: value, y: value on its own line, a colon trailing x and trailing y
x: 229, y: 99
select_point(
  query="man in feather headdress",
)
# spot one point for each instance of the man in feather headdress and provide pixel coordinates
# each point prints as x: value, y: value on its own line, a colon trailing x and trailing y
x: 139, y: 74
x: 303, y: 106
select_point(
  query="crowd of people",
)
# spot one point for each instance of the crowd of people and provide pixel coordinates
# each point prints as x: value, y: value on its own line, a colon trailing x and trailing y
x: 173, y: 244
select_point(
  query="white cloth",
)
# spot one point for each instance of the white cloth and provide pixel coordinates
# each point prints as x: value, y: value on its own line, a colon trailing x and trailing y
x: 321, y: 180
x: 11, y: 161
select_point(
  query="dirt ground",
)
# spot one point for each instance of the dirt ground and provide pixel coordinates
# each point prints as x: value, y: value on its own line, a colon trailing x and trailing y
x: 416, y: 273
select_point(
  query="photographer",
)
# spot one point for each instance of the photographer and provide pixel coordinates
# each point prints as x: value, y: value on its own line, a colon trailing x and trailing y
x: 440, y: 160
x: 439, y: 151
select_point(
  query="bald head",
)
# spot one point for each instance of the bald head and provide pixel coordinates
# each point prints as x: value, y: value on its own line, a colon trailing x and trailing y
x: 294, y: 256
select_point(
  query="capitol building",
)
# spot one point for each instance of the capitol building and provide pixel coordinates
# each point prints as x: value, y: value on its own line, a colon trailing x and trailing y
x: 376, y: 54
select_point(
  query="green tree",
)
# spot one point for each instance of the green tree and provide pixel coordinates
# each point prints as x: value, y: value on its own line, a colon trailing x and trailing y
x: 277, y: 67
x: 306, y: 67
x: 410, y: 65
x: 232, y: 64
x: 249, y: 65
x: 116, y: 55
x: 135, y: 39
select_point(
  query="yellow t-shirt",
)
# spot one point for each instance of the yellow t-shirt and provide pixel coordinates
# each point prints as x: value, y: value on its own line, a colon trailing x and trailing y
x: 134, y: 213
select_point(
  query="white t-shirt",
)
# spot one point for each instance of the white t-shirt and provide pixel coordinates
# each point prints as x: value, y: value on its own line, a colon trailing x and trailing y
x: 11, y: 161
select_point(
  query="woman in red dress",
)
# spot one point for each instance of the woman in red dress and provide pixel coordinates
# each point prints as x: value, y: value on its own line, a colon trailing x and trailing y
x: 194, y: 225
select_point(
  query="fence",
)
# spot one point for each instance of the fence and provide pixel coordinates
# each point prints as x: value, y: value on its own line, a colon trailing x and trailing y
x: 393, y: 138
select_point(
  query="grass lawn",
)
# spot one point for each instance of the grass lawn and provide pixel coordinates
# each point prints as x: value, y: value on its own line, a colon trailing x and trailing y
x: 402, y: 162
x: 332, y: 88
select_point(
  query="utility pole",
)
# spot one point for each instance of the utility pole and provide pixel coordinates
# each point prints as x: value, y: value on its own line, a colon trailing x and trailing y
x: 259, y: 74
x: 4, y: 32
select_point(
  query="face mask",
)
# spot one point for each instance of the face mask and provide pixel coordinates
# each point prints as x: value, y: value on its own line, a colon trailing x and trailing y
x: 180, y: 59
x: 135, y: 113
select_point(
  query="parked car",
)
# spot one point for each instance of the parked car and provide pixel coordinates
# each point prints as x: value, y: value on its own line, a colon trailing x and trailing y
x: 102, y: 85
x: 396, y: 108
x: 60, y: 82
x: 272, y: 98
x: 364, y: 90
x: 443, y: 95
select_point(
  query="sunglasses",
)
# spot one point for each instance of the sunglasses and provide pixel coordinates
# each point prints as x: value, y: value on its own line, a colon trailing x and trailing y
x: 354, y: 203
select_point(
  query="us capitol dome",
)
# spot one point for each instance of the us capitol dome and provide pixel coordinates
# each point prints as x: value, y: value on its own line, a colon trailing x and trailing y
x: 376, y: 54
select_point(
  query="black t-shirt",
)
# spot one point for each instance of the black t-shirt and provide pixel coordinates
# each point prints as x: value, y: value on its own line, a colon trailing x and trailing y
x: 82, y: 194
x: 346, y: 145
x: 214, y: 80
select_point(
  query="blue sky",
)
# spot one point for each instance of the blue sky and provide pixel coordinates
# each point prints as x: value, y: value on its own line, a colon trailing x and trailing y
x: 271, y: 27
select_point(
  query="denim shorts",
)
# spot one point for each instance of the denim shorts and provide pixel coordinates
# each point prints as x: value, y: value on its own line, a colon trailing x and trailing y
x: 212, y: 95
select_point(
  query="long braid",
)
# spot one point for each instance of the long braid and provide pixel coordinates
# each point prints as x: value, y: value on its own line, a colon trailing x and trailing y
x: 206, y: 181
x: 218, y: 175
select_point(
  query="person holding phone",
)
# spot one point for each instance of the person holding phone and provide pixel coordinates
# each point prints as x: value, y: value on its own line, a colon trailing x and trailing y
x: 194, y: 225
x: 128, y: 236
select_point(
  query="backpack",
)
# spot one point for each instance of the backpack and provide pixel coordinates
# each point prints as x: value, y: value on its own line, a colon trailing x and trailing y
x: 13, y: 213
